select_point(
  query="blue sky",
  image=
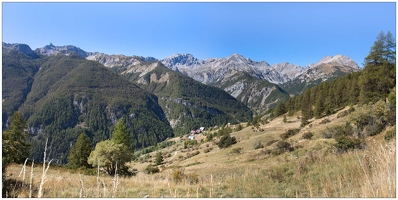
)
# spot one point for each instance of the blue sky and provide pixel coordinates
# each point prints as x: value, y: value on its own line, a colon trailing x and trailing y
x: 299, y: 33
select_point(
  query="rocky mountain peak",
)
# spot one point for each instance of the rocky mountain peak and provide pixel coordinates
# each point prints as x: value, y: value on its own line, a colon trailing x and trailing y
x: 239, y: 59
x: 187, y: 60
x: 67, y: 49
x: 338, y: 60
x: 23, y: 48
x: 287, y: 69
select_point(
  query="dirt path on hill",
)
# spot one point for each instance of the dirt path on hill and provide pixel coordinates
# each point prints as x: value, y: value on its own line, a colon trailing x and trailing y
x: 175, y: 153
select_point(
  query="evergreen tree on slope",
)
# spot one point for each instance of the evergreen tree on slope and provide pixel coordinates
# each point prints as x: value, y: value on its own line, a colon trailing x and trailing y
x: 80, y: 152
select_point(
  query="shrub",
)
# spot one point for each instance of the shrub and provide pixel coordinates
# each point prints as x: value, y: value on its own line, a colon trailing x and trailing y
x: 151, y: 169
x: 190, y: 143
x: 226, y: 141
x: 307, y: 135
x: 208, y: 150
x: 177, y: 175
x: 236, y: 150
x: 390, y: 135
x: 351, y: 109
x: 289, y: 133
x: 281, y: 147
x: 345, y: 143
x: 192, y: 178
x: 325, y: 121
x: 346, y: 112
x: 239, y: 127
x: 159, y: 158
x: 372, y: 129
x: 343, y: 114
x: 193, y: 154
x: 209, y: 137
x: 338, y: 131
x: 224, y: 131
x: 267, y: 151
x: 258, y: 145
x: 371, y: 119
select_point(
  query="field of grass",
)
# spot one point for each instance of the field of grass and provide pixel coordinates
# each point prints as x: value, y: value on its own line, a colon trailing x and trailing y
x: 313, y: 169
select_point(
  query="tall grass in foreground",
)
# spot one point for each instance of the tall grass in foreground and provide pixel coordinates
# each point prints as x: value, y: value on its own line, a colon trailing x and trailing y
x: 317, y: 173
x: 352, y: 174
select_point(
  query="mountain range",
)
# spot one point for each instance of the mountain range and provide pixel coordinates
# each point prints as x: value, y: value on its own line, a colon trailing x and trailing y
x: 66, y: 90
x: 257, y: 84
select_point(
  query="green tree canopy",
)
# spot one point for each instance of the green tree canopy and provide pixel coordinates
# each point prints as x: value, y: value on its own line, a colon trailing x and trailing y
x: 107, y: 153
x: 374, y: 83
x: 120, y: 135
x: 159, y: 158
x: 226, y: 141
x: 80, y: 152
x: 15, y: 147
x: 378, y: 76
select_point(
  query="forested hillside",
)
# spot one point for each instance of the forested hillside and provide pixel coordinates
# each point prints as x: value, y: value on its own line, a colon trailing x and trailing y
x: 70, y: 95
x: 19, y: 69
x: 190, y: 104
x: 375, y: 83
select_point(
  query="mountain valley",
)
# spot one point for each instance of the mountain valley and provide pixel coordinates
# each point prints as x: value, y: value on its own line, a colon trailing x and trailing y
x: 132, y: 126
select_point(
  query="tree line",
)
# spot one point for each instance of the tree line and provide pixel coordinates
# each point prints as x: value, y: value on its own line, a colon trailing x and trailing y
x: 375, y: 82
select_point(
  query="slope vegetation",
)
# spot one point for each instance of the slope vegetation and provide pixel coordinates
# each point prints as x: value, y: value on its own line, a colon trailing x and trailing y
x: 187, y: 103
x: 70, y: 95
x: 18, y: 70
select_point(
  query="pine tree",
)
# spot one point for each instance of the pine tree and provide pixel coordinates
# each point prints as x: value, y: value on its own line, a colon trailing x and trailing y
x: 15, y: 148
x: 390, y: 48
x: 120, y: 135
x: 378, y: 76
x: 159, y: 158
x: 279, y: 110
x: 80, y: 152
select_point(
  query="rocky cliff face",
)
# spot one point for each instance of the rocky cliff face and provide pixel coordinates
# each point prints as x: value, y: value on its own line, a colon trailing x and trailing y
x: 68, y: 49
x: 22, y: 48
x: 214, y: 69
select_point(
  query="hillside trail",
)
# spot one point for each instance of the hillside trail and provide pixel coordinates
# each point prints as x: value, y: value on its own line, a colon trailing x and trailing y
x: 175, y: 153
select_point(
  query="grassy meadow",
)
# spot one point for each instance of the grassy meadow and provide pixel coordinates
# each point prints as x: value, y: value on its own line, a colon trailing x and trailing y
x: 315, y: 168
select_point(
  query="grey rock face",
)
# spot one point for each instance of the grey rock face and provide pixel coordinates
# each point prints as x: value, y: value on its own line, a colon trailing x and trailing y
x: 68, y: 49
x: 19, y: 47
